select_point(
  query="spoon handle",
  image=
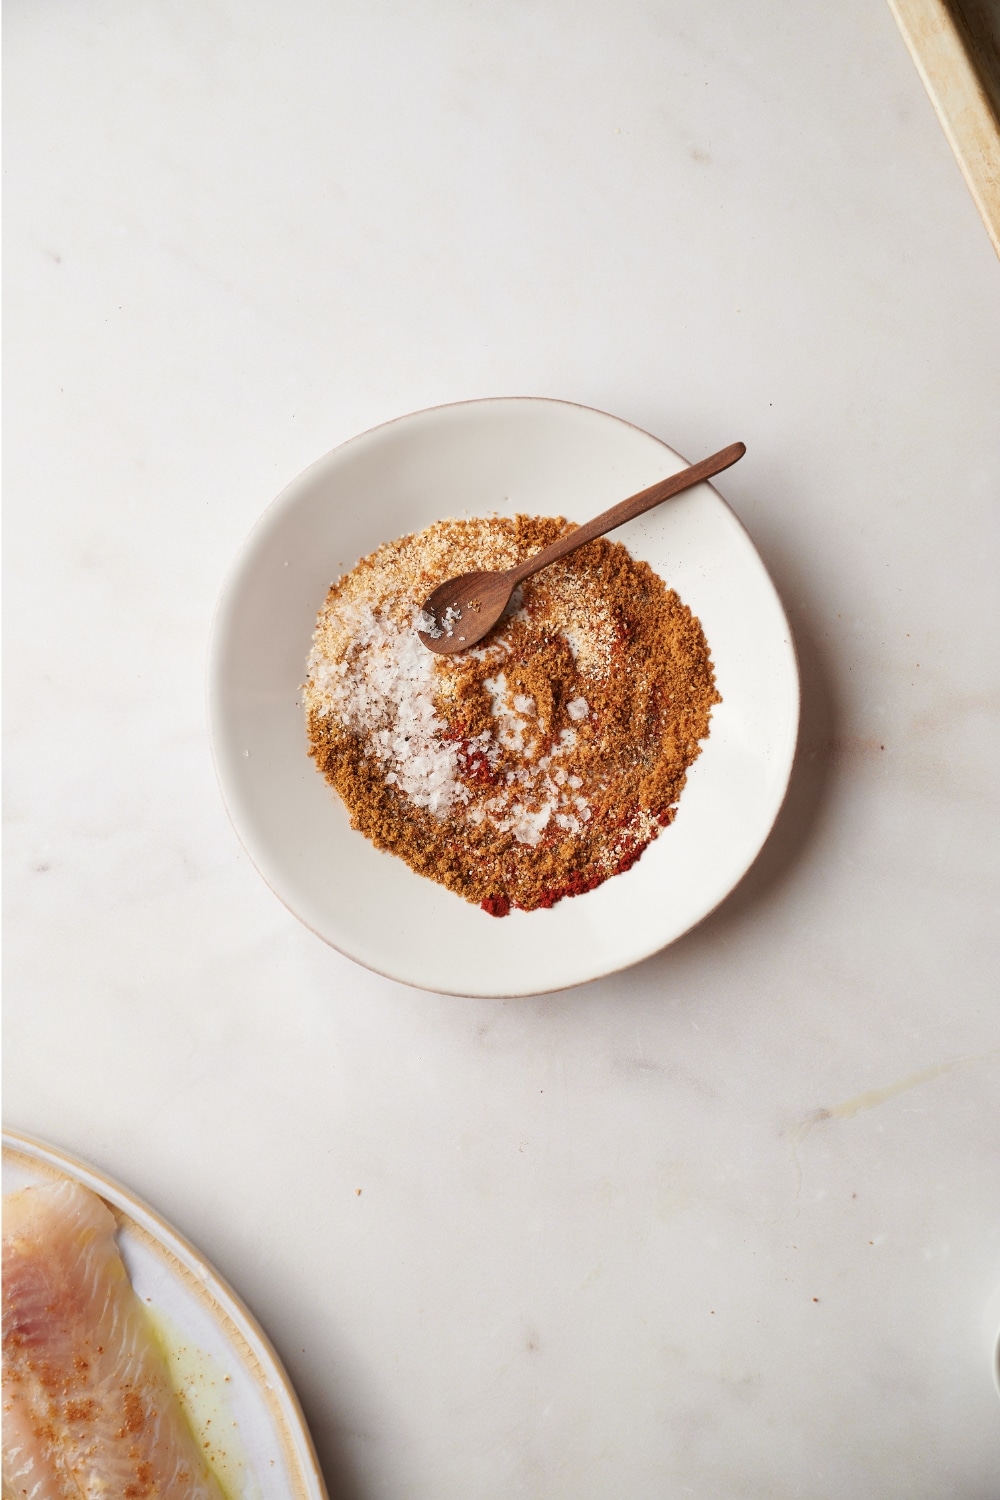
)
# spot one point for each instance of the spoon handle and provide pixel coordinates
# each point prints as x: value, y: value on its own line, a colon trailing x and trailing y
x: 627, y: 510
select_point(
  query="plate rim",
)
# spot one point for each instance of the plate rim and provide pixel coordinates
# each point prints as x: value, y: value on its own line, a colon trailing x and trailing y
x: 224, y: 598
x: 298, y: 1439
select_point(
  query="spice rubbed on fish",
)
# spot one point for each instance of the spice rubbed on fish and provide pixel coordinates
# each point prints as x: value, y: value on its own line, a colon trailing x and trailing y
x: 529, y: 768
x: 89, y: 1412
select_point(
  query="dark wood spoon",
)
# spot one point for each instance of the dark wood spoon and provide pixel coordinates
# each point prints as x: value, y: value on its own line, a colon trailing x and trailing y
x: 464, y: 608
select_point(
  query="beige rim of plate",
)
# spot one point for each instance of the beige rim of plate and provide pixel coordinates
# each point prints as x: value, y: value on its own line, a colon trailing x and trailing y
x: 208, y: 1333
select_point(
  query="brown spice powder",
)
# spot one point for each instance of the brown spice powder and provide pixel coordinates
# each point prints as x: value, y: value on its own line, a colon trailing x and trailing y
x: 535, y: 766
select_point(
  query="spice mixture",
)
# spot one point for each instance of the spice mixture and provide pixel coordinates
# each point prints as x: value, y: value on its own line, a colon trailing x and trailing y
x: 535, y: 765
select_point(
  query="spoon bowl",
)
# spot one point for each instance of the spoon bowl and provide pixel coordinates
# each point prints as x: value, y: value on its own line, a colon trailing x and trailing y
x: 462, y: 610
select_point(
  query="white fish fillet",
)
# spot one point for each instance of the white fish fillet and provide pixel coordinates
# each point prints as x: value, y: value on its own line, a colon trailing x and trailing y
x: 88, y: 1409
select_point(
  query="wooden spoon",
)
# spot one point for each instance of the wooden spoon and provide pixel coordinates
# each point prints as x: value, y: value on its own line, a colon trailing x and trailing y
x: 465, y: 608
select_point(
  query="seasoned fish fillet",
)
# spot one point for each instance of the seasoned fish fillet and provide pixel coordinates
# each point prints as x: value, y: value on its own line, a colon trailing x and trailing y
x: 88, y: 1409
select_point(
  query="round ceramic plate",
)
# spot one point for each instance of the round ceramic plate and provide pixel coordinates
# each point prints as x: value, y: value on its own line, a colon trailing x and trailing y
x: 225, y: 1371
x: 542, y: 458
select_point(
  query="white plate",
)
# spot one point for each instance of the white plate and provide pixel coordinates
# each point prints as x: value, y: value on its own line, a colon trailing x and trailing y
x: 227, y: 1373
x: 543, y: 458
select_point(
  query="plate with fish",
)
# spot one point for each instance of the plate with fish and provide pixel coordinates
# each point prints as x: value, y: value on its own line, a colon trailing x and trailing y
x: 550, y: 807
x: 130, y: 1368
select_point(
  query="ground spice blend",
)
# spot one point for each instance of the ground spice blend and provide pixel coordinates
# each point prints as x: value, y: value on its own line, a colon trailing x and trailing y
x: 536, y: 765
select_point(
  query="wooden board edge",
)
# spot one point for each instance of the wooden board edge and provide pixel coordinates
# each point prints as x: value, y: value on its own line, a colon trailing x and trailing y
x: 938, y: 49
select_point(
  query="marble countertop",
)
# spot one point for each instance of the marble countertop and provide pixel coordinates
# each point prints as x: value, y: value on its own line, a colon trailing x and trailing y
x: 723, y: 1225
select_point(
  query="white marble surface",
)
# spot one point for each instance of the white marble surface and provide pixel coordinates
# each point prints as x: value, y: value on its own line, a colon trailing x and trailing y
x: 726, y: 1225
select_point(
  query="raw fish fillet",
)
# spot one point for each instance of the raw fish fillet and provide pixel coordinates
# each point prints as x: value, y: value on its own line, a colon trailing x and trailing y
x: 88, y: 1409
